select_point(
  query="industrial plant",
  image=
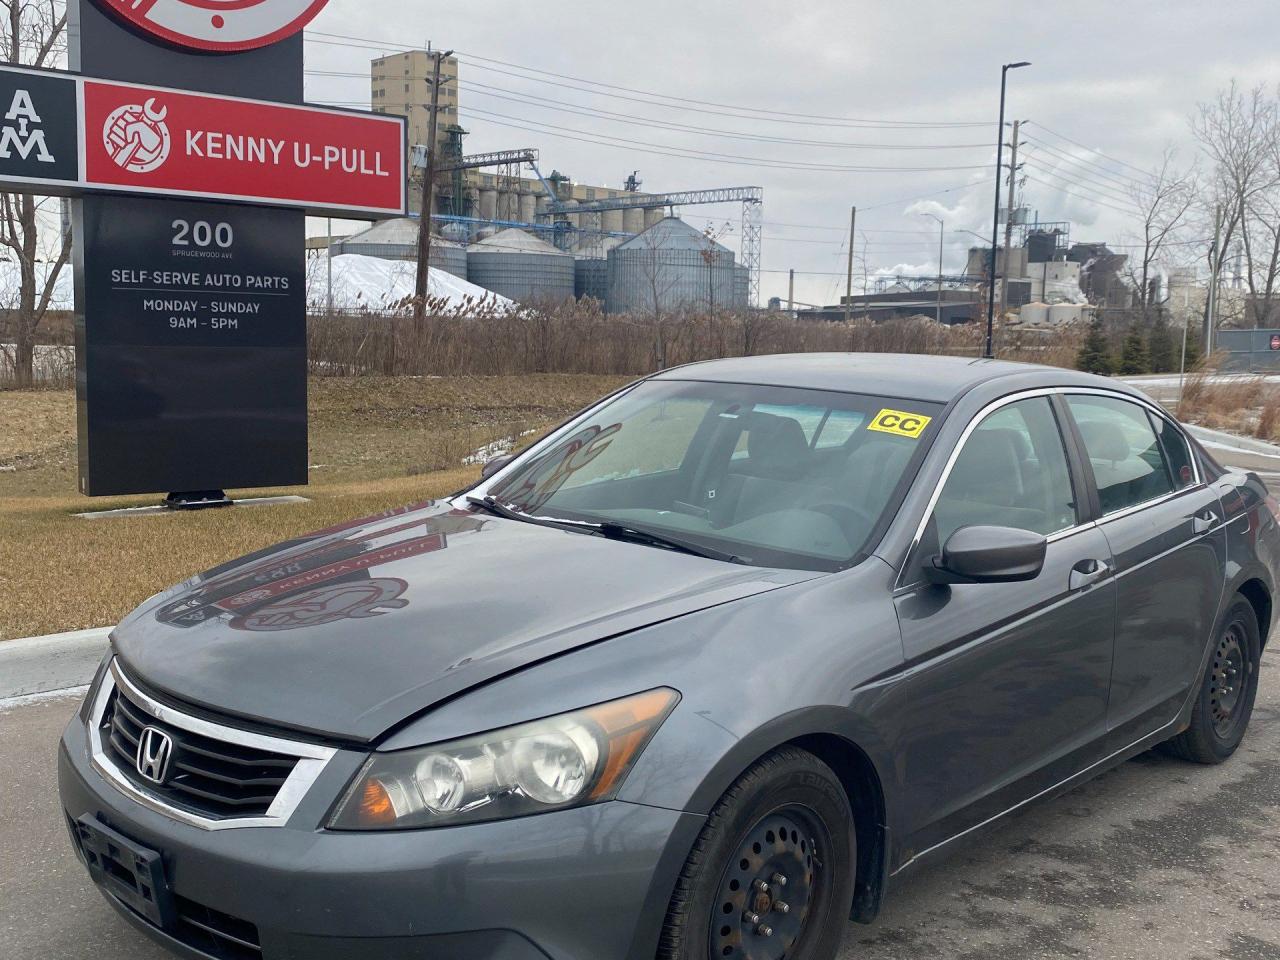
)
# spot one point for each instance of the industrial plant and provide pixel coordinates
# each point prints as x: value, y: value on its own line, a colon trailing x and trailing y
x: 500, y: 223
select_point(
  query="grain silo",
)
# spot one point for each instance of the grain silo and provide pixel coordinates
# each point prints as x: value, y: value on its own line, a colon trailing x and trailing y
x: 397, y: 239
x: 669, y: 267
x: 518, y: 265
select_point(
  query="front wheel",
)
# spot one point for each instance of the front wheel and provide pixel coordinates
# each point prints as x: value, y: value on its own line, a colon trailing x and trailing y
x: 771, y: 874
x: 1225, y: 700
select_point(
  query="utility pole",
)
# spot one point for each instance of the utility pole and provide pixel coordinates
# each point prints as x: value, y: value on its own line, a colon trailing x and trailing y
x: 942, y: 236
x: 848, y: 284
x: 1211, y: 301
x: 1008, y: 220
x: 328, y: 257
x: 428, y: 197
x: 988, y: 351
x: 791, y: 291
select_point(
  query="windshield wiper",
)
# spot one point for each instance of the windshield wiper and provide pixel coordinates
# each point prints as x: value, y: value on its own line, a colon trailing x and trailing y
x: 607, y: 529
x: 498, y: 508
x: 619, y: 531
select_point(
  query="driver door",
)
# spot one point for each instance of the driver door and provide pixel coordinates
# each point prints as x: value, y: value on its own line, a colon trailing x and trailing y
x: 1008, y: 695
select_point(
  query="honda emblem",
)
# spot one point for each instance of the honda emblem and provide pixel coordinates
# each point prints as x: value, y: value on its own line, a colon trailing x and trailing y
x: 155, y: 750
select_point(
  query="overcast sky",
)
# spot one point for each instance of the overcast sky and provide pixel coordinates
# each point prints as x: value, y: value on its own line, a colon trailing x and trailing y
x: 1121, y: 76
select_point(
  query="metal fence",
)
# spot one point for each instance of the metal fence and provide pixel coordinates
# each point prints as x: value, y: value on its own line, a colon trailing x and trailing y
x: 1255, y: 351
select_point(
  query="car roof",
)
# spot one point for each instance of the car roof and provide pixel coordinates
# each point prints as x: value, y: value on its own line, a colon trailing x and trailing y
x: 916, y: 376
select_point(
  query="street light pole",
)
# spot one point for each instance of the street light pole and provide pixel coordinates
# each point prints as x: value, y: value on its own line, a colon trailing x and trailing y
x: 988, y: 350
x: 942, y: 234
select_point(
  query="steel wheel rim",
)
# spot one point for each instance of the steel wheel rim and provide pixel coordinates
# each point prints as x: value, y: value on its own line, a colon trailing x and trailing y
x: 1228, y: 674
x: 769, y: 888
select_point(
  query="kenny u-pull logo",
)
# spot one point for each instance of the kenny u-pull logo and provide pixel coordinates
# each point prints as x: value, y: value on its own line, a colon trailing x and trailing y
x: 136, y: 136
x: 224, y: 26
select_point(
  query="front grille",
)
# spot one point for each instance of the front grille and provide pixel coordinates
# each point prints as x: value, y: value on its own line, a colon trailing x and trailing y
x: 216, y: 933
x: 212, y: 778
x: 210, y: 932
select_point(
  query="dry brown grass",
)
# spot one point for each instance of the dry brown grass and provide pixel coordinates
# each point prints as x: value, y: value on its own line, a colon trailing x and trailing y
x: 1244, y: 404
x: 576, y: 337
x: 374, y: 443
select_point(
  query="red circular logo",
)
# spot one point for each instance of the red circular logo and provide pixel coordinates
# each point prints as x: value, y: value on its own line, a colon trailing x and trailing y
x: 221, y: 26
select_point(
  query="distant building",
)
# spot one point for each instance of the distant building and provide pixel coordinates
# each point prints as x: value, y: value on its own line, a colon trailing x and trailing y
x: 401, y: 84
x: 1101, y: 274
x: 958, y: 306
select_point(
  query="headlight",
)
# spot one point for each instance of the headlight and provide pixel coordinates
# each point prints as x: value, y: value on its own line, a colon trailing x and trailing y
x: 573, y: 759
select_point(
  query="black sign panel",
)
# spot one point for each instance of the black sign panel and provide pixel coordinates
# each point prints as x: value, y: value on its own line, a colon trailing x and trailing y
x: 191, y: 322
x: 38, y: 128
x: 166, y: 404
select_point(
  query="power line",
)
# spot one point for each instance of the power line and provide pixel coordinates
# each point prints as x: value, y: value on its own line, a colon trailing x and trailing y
x: 529, y: 99
x: 695, y: 154
x: 1062, y: 136
x: 481, y: 62
x: 483, y: 90
x: 917, y: 245
x: 1095, y: 188
x: 1094, y: 200
x: 814, y: 226
x: 1087, y: 167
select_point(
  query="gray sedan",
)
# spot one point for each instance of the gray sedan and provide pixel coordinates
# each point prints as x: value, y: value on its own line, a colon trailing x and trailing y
x: 701, y: 674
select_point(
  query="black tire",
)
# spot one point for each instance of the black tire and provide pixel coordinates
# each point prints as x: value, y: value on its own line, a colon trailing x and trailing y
x: 788, y: 815
x: 1227, y: 690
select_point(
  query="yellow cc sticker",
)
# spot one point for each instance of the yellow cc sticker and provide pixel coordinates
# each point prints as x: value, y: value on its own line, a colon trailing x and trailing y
x: 899, y: 422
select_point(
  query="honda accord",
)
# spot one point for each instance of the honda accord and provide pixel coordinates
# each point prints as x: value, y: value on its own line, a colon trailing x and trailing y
x: 700, y: 674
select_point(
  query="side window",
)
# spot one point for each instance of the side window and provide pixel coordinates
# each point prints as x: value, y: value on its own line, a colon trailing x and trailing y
x: 1122, y: 446
x: 1011, y: 472
x: 1176, y: 452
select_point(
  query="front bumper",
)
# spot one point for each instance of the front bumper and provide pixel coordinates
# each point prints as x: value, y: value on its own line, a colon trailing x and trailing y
x: 585, y: 884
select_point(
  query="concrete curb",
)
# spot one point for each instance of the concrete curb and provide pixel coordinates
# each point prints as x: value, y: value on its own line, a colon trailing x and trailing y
x: 1234, y: 441
x: 44, y: 664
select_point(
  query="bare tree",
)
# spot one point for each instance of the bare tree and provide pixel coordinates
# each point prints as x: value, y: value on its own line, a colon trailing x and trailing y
x: 664, y: 286
x: 1164, y: 201
x: 1238, y: 132
x: 33, y: 32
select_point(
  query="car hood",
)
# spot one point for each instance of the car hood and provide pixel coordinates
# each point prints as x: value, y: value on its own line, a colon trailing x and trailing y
x: 350, y: 631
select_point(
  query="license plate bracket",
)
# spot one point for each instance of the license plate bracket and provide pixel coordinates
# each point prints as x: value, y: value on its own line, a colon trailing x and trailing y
x: 130, y: 872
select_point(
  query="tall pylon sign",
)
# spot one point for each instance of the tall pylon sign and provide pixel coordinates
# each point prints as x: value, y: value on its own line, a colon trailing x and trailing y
x: 181, y: 136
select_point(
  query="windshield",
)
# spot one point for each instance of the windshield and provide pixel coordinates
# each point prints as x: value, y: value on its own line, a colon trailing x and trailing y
x: 772, y: 476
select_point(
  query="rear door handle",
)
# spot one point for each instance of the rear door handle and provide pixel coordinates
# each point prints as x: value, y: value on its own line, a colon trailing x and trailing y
x: 1203, y: 522
x: 1088, y: 572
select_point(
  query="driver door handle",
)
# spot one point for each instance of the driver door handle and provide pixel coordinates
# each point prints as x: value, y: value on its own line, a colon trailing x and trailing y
x: 1088, y: 572
x: 1204, y: 521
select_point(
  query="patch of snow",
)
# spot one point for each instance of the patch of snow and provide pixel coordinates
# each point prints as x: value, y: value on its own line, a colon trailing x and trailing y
x: 375, y: 285
x: 499, y: 448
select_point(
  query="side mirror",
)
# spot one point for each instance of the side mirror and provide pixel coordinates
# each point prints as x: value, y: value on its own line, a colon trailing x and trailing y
x: 988, y: 555
x: 493, y: 466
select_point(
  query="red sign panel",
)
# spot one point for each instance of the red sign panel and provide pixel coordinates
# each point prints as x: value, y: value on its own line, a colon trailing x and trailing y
x: 222, y: 26
x: 154, y: 140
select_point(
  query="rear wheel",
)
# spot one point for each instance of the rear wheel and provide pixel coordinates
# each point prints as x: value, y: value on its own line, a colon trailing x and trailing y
x: 1225, y: 701
x: 771, y: 874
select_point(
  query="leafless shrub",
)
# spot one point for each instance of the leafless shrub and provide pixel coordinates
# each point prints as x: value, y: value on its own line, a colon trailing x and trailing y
x: 577, y: 337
